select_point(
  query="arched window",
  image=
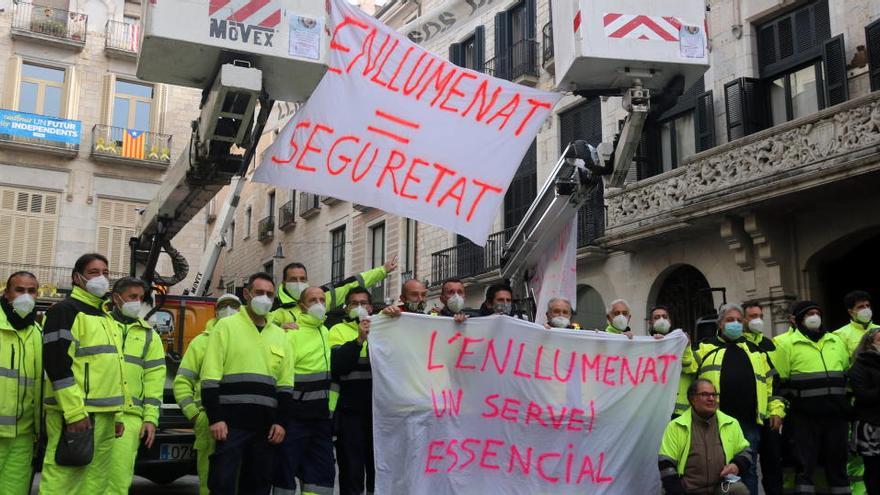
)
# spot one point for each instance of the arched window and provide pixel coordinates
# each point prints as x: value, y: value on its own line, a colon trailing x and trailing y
x: 685, y: 292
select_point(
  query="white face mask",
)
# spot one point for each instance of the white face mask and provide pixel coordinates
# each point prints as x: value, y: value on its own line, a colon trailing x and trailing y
x: 295, y: 288
x: 813, y: 322
x: 358, y: 312
x: 559, y: 322
x: 23, y: 305
x: 620, y: 322
x: 455, y: 303
x: 662, y: 326
x: 317, y: 311
x: 756, y: 325
x: 864, y: 315
x: 98, y: 286
x: 226, y: 311
x: 261, y: 305
x: 131, y: 309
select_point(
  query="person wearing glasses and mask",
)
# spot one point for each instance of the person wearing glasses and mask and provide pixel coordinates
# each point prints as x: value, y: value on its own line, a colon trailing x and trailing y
x: 187, y: 387
x: 739, y: 370
x: 703, y: 451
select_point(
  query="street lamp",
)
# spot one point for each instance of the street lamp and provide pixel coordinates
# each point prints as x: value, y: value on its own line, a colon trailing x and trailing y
x: 279, y: 253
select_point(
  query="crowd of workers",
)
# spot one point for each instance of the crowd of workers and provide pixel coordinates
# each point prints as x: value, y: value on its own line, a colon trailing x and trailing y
x: 272, y: 392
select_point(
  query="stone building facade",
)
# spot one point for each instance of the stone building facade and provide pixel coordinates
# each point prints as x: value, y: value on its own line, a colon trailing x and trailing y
x: 756, y: 183
x: 70, y: 64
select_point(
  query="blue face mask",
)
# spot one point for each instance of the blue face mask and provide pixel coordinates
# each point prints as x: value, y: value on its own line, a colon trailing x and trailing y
x: 733, y: 330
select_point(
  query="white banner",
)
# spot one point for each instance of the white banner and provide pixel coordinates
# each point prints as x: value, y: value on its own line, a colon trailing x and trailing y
x: 452, y: 15
x: 497, y: 405
x: 556, y: 273
x: 399, y: 128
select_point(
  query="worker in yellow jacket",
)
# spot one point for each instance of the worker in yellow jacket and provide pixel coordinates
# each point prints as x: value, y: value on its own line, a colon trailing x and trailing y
x: 21, y: 373
x: 82, y: 357
x: 144, y: 379
x: 187, y: 387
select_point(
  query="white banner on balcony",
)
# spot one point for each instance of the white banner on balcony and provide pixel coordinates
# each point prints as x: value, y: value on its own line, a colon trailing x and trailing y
x: 497, y: 405
x: 399, y: 128
x: 452, y: 15
x: 556, y: 273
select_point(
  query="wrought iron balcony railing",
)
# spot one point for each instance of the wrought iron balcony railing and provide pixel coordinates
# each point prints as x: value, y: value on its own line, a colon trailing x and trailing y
x: 287, y: 215
x: 126, y: 145
x: 49, y: 23
x: 467, y: 259
x: 123, y: 38
x: 266, y: 229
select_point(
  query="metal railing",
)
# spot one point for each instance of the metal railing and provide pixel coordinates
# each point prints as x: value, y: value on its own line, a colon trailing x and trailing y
x: 123, y: 36
x: 591, y: 219
x: 130, y: 144
x: 266, y: 229
x: 309, y: 204
x: 520, y: 60
x: 467, y: 259
x: 53, y: 280
x: 547, y: 43
x: 491, y: 67
x: 49, y: 22
x: 287, y: 215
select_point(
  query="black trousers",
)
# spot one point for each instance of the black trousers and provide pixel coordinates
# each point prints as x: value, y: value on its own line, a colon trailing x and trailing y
x: 872, y: 474
x: 354, y: 453
x: 770, y: 455
x: 245, y: 455
x: 306, y: 453
x: 815, y: 436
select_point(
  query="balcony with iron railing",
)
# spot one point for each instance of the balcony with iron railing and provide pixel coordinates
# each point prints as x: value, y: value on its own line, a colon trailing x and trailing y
x: 266, y: 229
x: 287, y: 216
x: 309, y: 205
x: 547, y: 48
x: 48, y: 24
x: 122, y: 39
x: 469, y: 260
x: 53, y: 281
x: 119, y: 145
x: 40, y: 133
x: 518, y: 64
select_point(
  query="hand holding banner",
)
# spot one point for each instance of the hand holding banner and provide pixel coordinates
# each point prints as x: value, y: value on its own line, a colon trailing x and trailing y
x: 499, y: 405
x: 396, y: 127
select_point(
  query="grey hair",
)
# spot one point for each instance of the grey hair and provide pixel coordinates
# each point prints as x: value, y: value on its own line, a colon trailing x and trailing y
x: 723, y: 310
x: 558, y: 299
x: 617, y: 301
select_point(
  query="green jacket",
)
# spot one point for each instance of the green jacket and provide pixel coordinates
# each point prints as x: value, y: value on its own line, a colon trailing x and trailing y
x: 812, y: 374
x: 289, y: 310
x: 82, y: 356
x: 187, y: 382
x: 311, y: 381
x: 710, y: 356
x: 852, y: 334
x: 612, y: 329
x: 688, y: 371
x: 676, y: 444
x: 144, y: 367
x: 247, y: 373
x: 21, y: 372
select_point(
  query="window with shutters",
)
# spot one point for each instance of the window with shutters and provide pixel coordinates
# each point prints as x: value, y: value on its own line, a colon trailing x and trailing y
x: 337, y: 255
x: 28, y: 226
x: 802, y: 68
x: 872, y: 41
x: 585, y: 122
x: 516, y: 46
x: 41, y: 90
x: 116, y: 225
x: 523, y: 189
x: 675, y: 135
x: 470, y: 53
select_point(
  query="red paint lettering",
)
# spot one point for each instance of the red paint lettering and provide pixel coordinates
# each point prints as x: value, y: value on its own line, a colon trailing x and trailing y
x: 381, y: 69
x: 455, y: 92
x: 390, y: 167
x: 540, y: 467
x: 512, y: 412
x: 538, y: 375
x: 576, y: 417
x: 464, y: 352
x: 334, y: 42
x: 536, y: 104
x: 485, y: 107
x: 555, y: 420
x: 490, y: 350
x: 450, y: 452
x: 357, y: 163
x: 432, y: 457
x: 342, y: 158
x: 431, y: 365
x: 391, y: 86
x: 451, y: 193
x: 609, y: 370
x: 516, y: 370
x: 667, y: 359
x: 294, y: 149
x: 525, y: 463
x: 309, y: 148
x: 409, y: 89
x: 483, y: 188
x: 443, y: 172
x: 506, y: 112
x: 471, y: 453
x: 586, y: 364
x: 488, y: 453
x: 556, y: 366
x: 650, y: 368
x: 534, y: 412
x: 410, y: 177
x: 489, y: 402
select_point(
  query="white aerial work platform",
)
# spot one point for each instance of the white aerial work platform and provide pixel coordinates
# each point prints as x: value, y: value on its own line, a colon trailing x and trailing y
x: 605, y: 44
x: 183, y: 41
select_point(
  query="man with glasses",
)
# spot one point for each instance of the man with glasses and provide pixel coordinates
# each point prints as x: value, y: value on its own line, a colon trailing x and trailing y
x: 704, y: 450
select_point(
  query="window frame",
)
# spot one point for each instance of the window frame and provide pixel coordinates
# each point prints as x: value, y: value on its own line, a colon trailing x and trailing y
x: 42, y: 84
x: 133, y: 100
x: 818, y: 68
x: 378, y: 290
x: 337, y: 247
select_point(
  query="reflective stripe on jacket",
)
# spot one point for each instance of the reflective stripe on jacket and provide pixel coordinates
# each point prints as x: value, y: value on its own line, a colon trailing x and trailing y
x: 144, y: 367
x: 676, y: 443
x: 21, y: 371
x: 82, y: 356
x: 187, y: 382
x: 812, y: 374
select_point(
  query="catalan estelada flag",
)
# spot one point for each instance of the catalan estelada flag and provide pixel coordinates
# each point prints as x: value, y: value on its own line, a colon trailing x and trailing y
x: 133, y: 144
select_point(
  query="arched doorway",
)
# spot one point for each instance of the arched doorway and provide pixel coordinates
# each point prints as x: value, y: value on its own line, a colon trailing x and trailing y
x: 590, y: 308
x: 685, y: 291
x: 846, y: 265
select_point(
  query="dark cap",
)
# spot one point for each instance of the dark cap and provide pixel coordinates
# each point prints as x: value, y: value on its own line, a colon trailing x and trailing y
x: 799, y: 308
